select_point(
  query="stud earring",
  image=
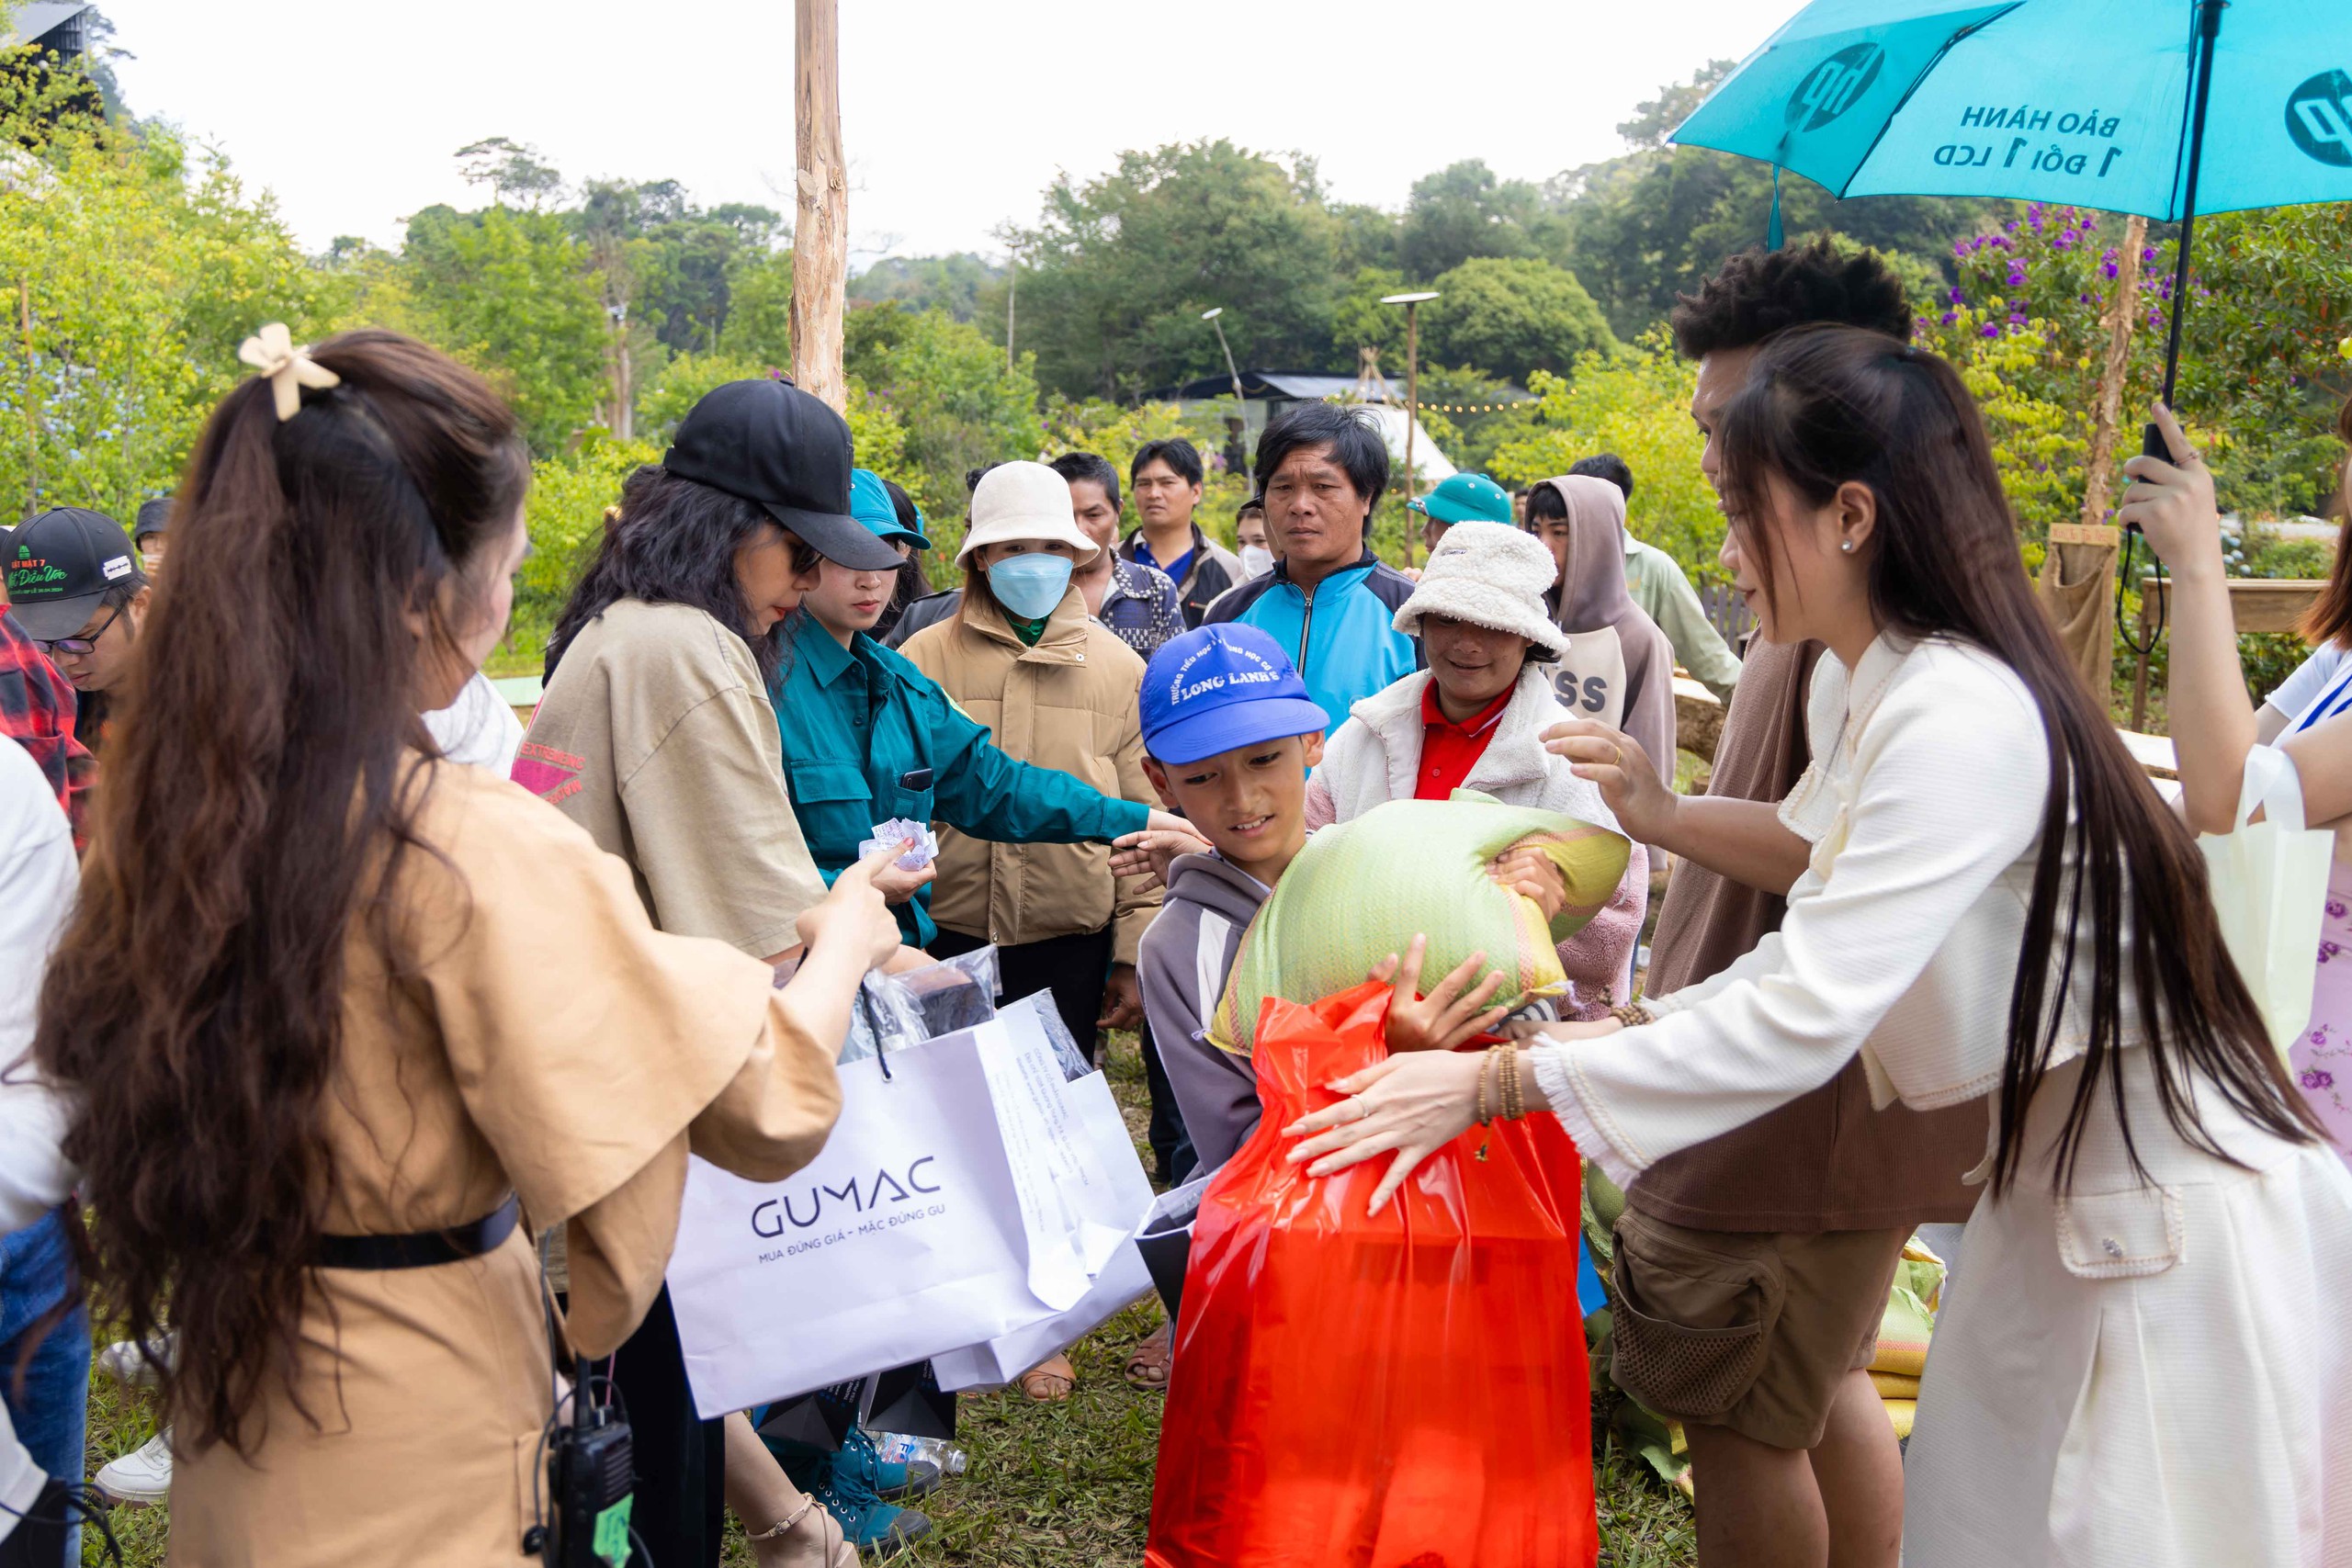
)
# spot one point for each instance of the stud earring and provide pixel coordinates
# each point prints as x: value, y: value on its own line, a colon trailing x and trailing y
x: 1848, y: 546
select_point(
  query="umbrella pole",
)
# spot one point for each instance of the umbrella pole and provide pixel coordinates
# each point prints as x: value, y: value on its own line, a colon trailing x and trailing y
x: 2208, y: 30
x: 2151, y: 438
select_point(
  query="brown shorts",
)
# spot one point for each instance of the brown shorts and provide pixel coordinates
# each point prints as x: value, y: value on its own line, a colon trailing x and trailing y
x: 1752, y: 1330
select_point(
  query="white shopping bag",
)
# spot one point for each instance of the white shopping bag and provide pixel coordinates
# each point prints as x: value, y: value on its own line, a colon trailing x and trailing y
x: 2270, y: 891
x: 946, y: 1210
x: 1119, y: 1206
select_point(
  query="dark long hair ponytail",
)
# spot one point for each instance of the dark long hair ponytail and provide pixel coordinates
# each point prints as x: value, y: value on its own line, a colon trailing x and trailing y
x: 672, y: 540
x: 1827, y: 406
x: 255, y: 806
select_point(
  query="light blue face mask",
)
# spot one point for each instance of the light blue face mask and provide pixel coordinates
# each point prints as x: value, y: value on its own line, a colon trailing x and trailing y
x: 1029, y: 586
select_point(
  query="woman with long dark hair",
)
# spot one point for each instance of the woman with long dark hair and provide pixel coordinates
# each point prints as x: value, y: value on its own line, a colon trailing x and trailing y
x: 1997, y: 907
x: 330, y: 1006
x: 656, y: 735
x: 2216, y: 727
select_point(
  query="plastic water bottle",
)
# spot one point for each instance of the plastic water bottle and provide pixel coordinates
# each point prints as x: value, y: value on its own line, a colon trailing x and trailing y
x: 898, y: 1447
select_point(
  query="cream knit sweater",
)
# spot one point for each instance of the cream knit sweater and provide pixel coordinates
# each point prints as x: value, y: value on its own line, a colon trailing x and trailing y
x: 1902, y: 936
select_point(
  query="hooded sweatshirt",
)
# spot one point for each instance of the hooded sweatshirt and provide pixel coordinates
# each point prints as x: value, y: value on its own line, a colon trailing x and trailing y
x: 1619, y: 667
x: 1186, y: 955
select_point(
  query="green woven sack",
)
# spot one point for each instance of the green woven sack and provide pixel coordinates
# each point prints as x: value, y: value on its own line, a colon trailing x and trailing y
x: 1364, y: 889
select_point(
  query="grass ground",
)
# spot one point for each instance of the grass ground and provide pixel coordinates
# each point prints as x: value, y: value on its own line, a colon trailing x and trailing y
x: 1050, y: 1486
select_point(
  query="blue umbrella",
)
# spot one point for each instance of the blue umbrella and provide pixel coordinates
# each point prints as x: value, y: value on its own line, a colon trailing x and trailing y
x: 2162, y: 107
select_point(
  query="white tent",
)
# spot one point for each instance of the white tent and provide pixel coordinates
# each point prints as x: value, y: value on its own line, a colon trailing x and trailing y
x: 1429, y: 464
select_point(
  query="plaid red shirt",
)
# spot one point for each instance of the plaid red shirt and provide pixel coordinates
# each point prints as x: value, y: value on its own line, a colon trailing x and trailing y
x: 37, y: 710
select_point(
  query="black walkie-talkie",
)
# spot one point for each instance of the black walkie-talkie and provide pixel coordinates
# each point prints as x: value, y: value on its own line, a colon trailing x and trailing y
x: 590, y: 1482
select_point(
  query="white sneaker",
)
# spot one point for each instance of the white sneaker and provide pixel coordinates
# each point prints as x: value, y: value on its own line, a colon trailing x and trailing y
x: 133, y: 1366
x: 142, y: 1476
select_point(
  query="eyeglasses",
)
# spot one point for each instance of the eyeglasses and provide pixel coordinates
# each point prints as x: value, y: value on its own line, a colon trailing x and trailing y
x: 79, y: 645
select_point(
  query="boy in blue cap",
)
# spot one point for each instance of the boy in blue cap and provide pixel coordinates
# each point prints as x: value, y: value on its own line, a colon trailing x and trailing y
x: 1229, y: 735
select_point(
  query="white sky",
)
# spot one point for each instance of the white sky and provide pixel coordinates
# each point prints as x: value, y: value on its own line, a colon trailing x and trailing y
x: 955, y: 113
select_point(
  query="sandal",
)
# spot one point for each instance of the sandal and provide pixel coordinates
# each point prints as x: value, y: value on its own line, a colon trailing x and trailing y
x: 833, y: 1541
x: 1051, y: 1380
x: 1148, y: 1363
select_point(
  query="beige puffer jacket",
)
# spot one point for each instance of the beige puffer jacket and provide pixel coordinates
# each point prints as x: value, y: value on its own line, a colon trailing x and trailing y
x: 1070, y: 703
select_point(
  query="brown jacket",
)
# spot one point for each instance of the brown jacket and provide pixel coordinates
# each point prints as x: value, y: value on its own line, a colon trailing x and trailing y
x: 1826, y: 1162
x: 1070, y: 703
x: 531, y: 1033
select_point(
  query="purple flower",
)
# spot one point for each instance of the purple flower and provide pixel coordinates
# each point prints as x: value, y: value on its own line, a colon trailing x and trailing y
x: 2017, y: 275
x: 2318, y: 1077
x: 2110, y: 268
x: 1990, y: 329
x: 1958, y: 298
x: 2149, y: 255
x: 2336, y: 910
x: 1950, y: 316
x: 2328, y: 950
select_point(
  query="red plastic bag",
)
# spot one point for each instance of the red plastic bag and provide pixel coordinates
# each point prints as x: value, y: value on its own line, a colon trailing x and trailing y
x: 1406, y: 1389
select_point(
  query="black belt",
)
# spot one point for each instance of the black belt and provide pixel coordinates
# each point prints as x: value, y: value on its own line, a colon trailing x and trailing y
x: 421, y: 1249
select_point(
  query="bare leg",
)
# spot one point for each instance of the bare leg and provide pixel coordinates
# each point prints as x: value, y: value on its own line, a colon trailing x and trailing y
x: 763, y: 1497
x: 1758, y: 1505
x: 1858, y: 1469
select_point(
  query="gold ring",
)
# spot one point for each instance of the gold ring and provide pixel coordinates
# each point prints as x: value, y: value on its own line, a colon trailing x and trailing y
x: 1618, y: 755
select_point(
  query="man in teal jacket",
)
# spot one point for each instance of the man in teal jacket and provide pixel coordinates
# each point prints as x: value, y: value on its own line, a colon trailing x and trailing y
x: 867, y: 737
x: 1330, y: 601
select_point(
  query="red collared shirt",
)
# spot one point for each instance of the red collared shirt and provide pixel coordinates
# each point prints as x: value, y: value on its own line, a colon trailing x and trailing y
x: 1449, y: 750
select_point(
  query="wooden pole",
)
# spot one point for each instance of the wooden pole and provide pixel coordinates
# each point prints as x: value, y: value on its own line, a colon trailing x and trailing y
x: 821, y: 231
x: 2122, y: 313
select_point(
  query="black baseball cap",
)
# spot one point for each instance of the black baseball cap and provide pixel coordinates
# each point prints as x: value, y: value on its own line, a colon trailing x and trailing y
x: 61, y: 564
x: 155, y: 518
x: 773, y: 444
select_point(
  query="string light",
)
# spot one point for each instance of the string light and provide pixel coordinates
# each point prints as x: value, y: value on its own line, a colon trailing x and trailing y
x: 1450, y: 408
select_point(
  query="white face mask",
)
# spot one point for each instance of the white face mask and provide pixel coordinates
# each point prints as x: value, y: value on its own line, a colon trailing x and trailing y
x: 1256, y: 560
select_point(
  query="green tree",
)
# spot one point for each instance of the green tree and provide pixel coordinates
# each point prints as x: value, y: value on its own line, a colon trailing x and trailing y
x: 1640, y: 230
x: 136, y: 270
x: 759, y: 313
x: 1463, y: 211
x: 1512, y: 318
x: 1116, y: 272
x: 951, y: 283
x: 950, y: 390
x: 517, y: 295
x: 1636, y: 403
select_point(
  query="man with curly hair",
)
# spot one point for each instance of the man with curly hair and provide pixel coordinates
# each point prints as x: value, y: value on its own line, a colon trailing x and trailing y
x: 1777, y: 1243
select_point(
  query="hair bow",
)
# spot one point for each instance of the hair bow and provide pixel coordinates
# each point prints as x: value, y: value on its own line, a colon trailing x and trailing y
x: 271, y: 351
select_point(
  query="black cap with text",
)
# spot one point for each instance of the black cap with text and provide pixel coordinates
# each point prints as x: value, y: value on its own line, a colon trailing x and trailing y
x: 771, y: 444
x: 60, y: 566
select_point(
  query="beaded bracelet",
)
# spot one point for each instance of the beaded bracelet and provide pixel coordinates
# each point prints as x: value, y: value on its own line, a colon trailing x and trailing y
x: 1632, y: 1015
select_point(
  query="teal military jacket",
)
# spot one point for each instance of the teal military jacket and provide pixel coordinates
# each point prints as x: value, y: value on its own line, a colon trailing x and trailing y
x: 869, y: 737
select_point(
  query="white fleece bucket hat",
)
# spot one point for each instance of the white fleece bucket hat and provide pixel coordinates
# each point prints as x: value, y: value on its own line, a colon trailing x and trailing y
x: 1026, y: 501
x: 1490, y: 575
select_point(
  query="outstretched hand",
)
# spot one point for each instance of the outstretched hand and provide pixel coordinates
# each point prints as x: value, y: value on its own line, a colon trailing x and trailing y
x: 2172, y: 503
x: 1152, y: 850
x: 1414, y: 1105
x: 1627, y: 775
x: 1453, y: 1014
x: 855, y: 910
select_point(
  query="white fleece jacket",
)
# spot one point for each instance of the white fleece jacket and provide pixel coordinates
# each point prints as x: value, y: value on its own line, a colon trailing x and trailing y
x: 1376, y: 755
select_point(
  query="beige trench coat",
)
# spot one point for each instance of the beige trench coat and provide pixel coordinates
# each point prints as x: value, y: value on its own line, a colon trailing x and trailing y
x: 530, y: 1032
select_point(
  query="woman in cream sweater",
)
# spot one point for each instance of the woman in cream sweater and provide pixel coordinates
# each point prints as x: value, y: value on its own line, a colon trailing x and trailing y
x: 1997, y: 907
